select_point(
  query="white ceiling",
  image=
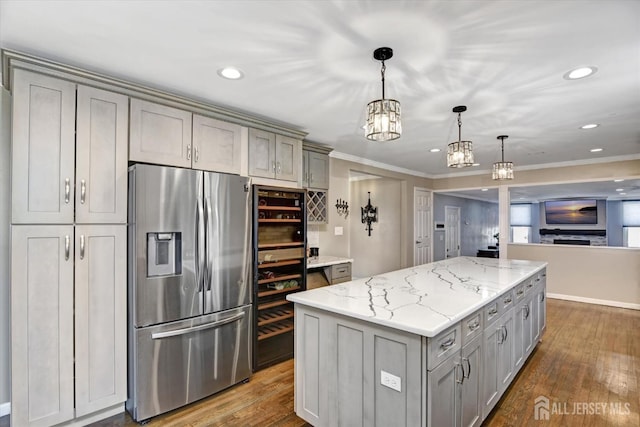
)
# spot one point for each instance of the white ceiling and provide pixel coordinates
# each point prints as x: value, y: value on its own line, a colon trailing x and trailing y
x: 309, y: 64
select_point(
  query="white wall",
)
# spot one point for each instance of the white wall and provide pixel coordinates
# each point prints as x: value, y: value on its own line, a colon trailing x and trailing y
x: 603, y: 275
x: 380, y: 252
x: 5, y: 340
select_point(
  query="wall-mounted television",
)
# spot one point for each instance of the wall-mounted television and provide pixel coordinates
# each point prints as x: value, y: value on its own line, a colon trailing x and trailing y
x: 575, y: 211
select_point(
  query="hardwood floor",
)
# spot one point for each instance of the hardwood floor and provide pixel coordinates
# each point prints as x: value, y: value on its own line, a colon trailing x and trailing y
x: 589, y: 355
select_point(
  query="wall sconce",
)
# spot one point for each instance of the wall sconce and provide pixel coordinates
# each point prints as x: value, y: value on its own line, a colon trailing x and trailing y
x: 369, y: 214
x: 343, y: 207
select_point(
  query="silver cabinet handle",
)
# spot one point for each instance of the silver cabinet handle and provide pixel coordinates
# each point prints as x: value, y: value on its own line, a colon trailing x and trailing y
x: 189, y: 152
x: 197, y: 156
x: 493, y: 311
x: 310, y: 178
x: 506, y: 333
x: 520, y: 292
x: 67, y: 247
x: 473, y: 326
x: 459, y: 380
x: 508, y: 300
x: 542, y: 297
x: 279, y: 168
x: 82, y: 246
x: 83, y: 190
x: 67, y: 190
x: 466, y: 359
x: 448, y: 343
x: 273, y: 165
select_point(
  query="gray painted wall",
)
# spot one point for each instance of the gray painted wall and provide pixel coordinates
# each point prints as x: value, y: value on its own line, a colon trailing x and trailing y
x: 379, y: 252
x: 5, y: 203
x: 478, y: 224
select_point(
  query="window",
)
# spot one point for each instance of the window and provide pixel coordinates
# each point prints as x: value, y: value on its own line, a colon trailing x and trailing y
x: 520, y: 218
x: 631, y: 223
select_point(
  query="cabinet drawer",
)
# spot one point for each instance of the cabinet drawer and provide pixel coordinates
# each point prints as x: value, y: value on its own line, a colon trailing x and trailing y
x: 471, y: 327
x: 443, y: 345
x: 492, y: 312
x: 506, y: 301
x: 341, y: 271
x: 518, y: 292
x: 529, y: 284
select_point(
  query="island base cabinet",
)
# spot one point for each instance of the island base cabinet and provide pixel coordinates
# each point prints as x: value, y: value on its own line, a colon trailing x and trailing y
x: 470, y: 389
x: 443, y: 406
x: 352, y: 373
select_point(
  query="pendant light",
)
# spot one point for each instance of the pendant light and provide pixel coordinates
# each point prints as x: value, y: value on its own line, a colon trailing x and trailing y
x: 460, y: 153
x: 383, y: 115
x: 502, y: 170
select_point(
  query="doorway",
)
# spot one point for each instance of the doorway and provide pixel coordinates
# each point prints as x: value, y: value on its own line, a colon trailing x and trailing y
x: 452, y: 231
x: 421, y: 226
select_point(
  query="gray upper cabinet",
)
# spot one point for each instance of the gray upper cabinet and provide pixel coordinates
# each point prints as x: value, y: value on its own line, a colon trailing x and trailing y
x: 315, y: 170
x: 160, y: 134
x: 43, y: 143
x: 216, y: 145
x: 101, y: 157
x: 273, y: 156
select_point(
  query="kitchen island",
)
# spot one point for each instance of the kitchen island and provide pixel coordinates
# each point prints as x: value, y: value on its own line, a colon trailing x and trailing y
x: 431, y: 345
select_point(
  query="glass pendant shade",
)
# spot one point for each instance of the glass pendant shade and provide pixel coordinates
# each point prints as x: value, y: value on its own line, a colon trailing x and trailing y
x: 460, y: 154
x: 383, y: 120
x: 502, y: 171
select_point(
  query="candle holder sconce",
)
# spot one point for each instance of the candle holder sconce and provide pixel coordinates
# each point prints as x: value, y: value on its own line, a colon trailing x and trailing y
x: 369, y: 214
x: 342, y: 207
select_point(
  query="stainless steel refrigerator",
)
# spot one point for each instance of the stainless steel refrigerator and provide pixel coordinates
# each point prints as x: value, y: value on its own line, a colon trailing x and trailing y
x: 189, y: 289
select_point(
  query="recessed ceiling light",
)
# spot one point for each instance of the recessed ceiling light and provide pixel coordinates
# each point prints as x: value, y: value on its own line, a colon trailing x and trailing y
x: 596, y: 150
x: 619, y: 189
x: 623, y: 194
x: 580, y: 73
x: 230, y: 73
x: 434, y: 150
x: 476, y: 164
x: 485, y: 189
x: 590, y: 126
x: 618, y: 180
x: 521, y: 198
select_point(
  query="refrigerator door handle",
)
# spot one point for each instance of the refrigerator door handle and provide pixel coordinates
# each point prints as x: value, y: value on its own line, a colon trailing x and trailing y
x: 199, y: 239
x: 183, y: 331
x: 208, y: 238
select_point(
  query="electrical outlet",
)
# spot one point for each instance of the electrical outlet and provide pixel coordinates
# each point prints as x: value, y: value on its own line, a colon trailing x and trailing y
x: 338, y: 231
x: 391, y: 381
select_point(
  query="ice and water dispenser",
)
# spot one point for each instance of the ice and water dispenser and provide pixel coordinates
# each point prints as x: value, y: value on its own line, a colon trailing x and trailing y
x: 164, y: 254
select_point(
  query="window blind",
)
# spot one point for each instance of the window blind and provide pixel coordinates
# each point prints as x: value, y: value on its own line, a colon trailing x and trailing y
x: 521, y: 214
x: 631, y: 213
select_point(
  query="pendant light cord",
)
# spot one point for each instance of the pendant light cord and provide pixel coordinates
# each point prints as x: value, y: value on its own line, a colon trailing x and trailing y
x: 384, y: 67
x: 459, y: 128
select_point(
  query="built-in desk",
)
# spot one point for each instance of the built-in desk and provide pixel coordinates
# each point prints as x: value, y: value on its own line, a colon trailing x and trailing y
x: 327, y: 270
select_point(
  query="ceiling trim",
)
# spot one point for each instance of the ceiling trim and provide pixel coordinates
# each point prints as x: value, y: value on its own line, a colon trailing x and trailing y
x: 361, y: 160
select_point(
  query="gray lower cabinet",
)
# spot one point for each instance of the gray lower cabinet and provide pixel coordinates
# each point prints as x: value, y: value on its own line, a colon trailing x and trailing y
x: 66, y: 367
x: 355, y: 373
x: 273, y: 156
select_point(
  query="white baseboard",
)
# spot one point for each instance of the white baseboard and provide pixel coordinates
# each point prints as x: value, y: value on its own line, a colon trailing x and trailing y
x: 618, y: 304
x: 5, y: 409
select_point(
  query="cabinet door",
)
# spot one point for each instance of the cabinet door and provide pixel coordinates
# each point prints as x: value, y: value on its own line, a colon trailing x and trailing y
x: 520, y: 312
x: 490, y: 383
x: 216, y: 145
x: 41, y: 324
x: 100, y: 320
x: 541, y: 299
x: 444, y: 398
x: 288, y: 156
x: 505, y: 351
x: 471, y: 400
x: 318, y: 170
x: 101, y: 156
x: 43, y: 148
x: 527, y: 329
x: 262, y: 153
x: 159, y: 134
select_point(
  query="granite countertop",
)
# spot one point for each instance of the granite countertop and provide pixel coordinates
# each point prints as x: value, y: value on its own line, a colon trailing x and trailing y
x: 325, y: 260
x: 425, y: 299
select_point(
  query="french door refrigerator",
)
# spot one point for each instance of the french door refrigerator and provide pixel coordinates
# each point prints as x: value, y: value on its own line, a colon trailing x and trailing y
x: 189, y: 287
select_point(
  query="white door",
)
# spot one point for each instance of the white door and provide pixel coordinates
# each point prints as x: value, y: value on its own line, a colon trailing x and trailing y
x: 421, y: 226
x: 452, y: 231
